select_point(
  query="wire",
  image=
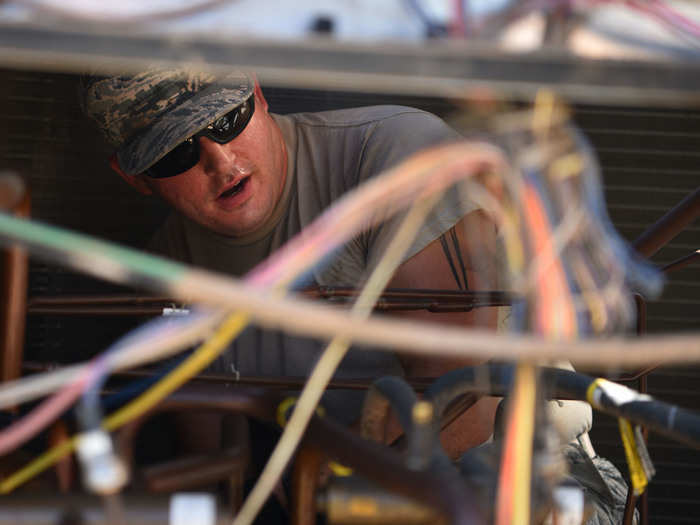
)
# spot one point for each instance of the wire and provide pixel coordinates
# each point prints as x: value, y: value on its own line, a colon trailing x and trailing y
x: 116, y: 263
x: 52, y: 408
x: 186, y: 332
x: 288, y: 265
x: 328, y: 363
x: 513, y: 497
x: 199, y: 360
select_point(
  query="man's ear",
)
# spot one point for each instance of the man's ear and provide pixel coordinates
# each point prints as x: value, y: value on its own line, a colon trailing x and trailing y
x: 136, y: 181
x: 259, y: 97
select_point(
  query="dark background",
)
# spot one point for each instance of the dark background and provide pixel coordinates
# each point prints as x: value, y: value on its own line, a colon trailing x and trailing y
x: 650, y: 159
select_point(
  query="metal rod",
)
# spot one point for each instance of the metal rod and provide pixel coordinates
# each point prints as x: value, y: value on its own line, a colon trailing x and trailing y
x: 668, y: 226
x: 277, y: 382
x: 14, y: 284
x: 391, y: 300
x: 682, y: 262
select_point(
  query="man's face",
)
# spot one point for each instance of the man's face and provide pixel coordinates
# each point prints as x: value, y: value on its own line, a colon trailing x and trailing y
x: 234, y: 187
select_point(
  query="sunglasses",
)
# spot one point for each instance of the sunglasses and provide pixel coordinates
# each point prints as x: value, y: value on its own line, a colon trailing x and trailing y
x: 186, y: 154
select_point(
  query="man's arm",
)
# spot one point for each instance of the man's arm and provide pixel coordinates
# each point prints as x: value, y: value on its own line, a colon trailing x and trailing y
x: 432, y: 268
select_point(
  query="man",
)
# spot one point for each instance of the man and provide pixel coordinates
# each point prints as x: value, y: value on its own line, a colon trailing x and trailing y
x: 242, y: 181
x: 250, y: 181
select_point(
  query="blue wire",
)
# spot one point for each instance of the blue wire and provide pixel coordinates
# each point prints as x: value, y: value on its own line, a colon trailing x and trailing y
x: 135, y: 388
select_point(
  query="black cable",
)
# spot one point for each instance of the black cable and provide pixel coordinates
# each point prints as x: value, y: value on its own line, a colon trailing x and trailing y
x: 669, y: 420
x: 399, y: 394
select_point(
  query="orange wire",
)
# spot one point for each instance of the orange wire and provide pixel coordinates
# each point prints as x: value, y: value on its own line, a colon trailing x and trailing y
x: 555, y: 299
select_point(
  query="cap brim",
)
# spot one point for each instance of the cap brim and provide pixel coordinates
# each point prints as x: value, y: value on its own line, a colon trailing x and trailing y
x: 145, y: 149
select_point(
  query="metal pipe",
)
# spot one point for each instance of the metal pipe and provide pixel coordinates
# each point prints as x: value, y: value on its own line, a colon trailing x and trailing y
x: 682, y: 262
x: 276, y: 382
x: 668, y: 226
x: 16, y: 199
x: 391, y: 300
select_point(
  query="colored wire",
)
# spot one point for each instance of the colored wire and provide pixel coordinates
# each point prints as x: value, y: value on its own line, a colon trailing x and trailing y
x: 187, y: 331
x: 199, y: 360
x: 328, y: 363
x: 331, y: 229
x: 283, y: 270
x: 50, y: 409
x: 513, y: 498
x: 106, y: 260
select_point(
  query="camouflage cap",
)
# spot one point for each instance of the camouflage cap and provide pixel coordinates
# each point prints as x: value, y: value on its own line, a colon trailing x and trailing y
x: 146, y: 115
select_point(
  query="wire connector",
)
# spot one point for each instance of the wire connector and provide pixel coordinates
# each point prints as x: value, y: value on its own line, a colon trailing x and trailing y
x: 103, y: 471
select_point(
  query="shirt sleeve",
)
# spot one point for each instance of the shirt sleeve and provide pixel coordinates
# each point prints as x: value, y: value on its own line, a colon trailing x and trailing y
x: 392, y: 141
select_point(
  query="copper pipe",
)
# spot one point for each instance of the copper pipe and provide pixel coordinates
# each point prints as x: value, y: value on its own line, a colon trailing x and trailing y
x: 109, y: 311
x: 58, y: 434
x: 305, y: 478
x: 195, y: 471
x: 273, y: 382
x: 16, y: 199
x: 97, y: 300
x: 668, y: 226
x: 391, y: 300
x: 682, y: 262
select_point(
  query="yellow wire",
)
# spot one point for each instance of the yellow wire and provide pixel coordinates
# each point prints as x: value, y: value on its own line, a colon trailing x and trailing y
x: 525, y: 387
x: 199, y: 360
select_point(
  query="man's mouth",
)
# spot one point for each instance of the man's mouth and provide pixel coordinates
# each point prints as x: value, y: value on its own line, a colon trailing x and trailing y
x: 235, y: 189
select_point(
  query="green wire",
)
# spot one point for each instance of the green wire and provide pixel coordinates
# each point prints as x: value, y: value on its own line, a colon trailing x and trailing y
x: 86, y: 251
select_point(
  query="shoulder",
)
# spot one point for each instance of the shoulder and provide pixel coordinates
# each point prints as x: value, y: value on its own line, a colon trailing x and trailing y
x: 368, y: 117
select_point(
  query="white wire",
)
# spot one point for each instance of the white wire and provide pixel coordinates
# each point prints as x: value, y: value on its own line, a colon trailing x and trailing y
x: 140, y: 351
x: 328, y: 363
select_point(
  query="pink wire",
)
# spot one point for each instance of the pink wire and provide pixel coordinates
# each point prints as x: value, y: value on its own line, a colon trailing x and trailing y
x: 31, y: 424
x: 676, y: 17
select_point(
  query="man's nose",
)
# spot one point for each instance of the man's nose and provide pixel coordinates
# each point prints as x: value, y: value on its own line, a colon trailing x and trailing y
x: 215, y: 158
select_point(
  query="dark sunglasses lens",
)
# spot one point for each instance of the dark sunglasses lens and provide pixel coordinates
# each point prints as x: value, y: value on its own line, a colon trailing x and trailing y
x: 186, y: 155
x: 179, y: 160
x: 228, y: 127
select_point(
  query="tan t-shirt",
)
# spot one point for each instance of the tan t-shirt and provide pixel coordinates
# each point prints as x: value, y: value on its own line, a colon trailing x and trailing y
x: 329, y: 153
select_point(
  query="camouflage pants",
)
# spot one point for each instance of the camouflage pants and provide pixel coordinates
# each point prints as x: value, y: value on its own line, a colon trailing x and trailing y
x: 603, y: 485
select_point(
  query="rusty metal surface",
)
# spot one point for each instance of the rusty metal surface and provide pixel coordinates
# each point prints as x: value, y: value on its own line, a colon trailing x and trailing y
x: 668, y: 226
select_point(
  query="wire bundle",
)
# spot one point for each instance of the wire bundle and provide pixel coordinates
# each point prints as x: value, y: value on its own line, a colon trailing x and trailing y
x: 565, y: 257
